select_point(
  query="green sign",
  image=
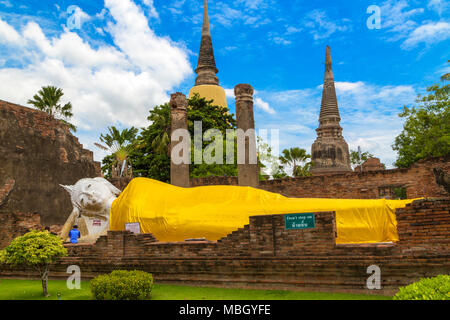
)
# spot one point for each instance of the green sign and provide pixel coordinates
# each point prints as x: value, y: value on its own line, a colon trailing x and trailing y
x: 299, y: 221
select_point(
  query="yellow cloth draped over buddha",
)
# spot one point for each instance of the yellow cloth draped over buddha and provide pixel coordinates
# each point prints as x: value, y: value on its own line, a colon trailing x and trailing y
x: 176, y: 214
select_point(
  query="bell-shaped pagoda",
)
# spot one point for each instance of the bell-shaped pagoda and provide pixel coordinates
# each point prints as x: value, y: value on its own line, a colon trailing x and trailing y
x: 207, y: 82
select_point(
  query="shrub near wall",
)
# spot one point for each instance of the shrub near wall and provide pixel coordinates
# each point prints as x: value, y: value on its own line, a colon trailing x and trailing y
x: 122, y: 285
x: 437, y: 288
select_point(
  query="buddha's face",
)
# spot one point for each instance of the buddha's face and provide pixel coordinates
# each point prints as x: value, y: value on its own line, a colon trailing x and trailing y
x: 92, y: 195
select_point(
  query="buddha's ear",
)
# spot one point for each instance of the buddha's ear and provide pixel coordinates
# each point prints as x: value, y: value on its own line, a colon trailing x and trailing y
x: 69, y: 189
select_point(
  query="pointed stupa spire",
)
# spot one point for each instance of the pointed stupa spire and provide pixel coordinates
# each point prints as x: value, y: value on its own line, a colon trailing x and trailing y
x: 330, y: 153
x: 329, y: 100
x: 206, y: 28
x: 206, y: 68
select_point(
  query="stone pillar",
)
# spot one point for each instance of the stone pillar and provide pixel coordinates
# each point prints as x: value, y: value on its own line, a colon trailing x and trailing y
x: 179, y: 173
x: 247, y: 163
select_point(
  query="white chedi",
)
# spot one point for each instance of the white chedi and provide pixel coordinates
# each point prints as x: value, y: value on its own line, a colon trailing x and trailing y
x: 92, y: 199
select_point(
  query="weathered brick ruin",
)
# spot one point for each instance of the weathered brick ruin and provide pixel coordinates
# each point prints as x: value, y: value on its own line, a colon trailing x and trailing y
x: 37, y: 153
x: 418, y: 180
x: 372, y: 164
x: 329, y: 153
x: 179, y: 172
x: 247, y: 163
x: 264, y: 254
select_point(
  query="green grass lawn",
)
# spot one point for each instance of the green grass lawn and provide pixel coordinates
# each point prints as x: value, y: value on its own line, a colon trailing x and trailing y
x: 32, y: 290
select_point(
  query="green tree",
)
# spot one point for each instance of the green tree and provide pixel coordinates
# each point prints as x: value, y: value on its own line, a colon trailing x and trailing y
x: 426, y: 132
x: 150, y: 155
x: 297, y: 158
x: 279, y: 173
x: 356, y: 161
x: 212, y: 117
x: 266, y: 157
x: 48, y: 100
x: 161, y: 126
x: 36, y: 249
x: 120, y: 145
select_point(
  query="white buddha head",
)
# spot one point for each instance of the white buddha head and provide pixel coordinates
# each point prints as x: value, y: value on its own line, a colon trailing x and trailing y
x: 93, y: 195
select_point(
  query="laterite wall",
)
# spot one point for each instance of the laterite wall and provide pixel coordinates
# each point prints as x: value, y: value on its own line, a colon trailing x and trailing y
x: 264, y: 254
x: 418, y: 180
x: 37, y: 153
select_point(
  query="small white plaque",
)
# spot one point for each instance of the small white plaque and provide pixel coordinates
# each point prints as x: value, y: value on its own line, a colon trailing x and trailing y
x: 133, y: 227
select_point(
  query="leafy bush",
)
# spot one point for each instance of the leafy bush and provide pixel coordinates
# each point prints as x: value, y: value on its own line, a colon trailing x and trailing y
x: 36, y: 249
x: 437, y: 288
x: 122, y: 285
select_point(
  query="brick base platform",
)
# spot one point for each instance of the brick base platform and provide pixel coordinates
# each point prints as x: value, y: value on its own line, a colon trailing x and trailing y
x: 265, y: 255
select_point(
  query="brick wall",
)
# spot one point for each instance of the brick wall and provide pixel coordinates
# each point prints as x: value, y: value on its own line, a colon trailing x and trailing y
x: 425, y: 227
x: 264, y: 254
x: 37, y: 153
x: 418, y: 180
x: 5, y: 190
x: 13, y: 225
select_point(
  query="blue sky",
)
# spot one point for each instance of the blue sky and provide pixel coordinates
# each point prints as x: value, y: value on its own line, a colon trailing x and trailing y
x: 128, y: 56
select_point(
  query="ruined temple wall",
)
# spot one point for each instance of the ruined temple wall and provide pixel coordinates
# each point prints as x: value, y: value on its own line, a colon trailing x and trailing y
x: 13, y: 225
x: 424, y: 227
x: 418, y: 180
x: 37, y: 153
x: 264, y: 254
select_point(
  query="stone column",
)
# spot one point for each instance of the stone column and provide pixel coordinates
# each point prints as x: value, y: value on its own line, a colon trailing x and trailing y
x: 247, y: 162
x: 179, y: 173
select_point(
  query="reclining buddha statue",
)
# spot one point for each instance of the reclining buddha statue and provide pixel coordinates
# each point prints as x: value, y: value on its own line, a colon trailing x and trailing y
x: 174, y: 214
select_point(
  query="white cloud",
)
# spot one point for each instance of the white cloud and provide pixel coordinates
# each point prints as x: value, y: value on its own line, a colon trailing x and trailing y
x: 247, y: 12
x: 399, y: 19
x: 8, y: 35
x: 279, y: 40
x: 321, y: 26
x: 292, y: 30
x: 229, y: 93
x: 438, y: 5
x: 6, y: 3
x: 152, y: 10
x: 443, y: 69
x: 109, y: 84
x: 79, y: 16
x: 282, y: 38
x: 348, y: 86
x: 101, y: 14
x: 253, y: 4
x: 227, y: 16
x: 259, y: 103
x: 263, y: 105
x: 429, y: 33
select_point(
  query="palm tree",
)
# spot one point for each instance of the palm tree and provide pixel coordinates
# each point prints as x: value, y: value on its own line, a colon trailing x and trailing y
x: 47, y: 99
x: 160, y: 118
x: 120, y: 144
x: 297, y: 158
